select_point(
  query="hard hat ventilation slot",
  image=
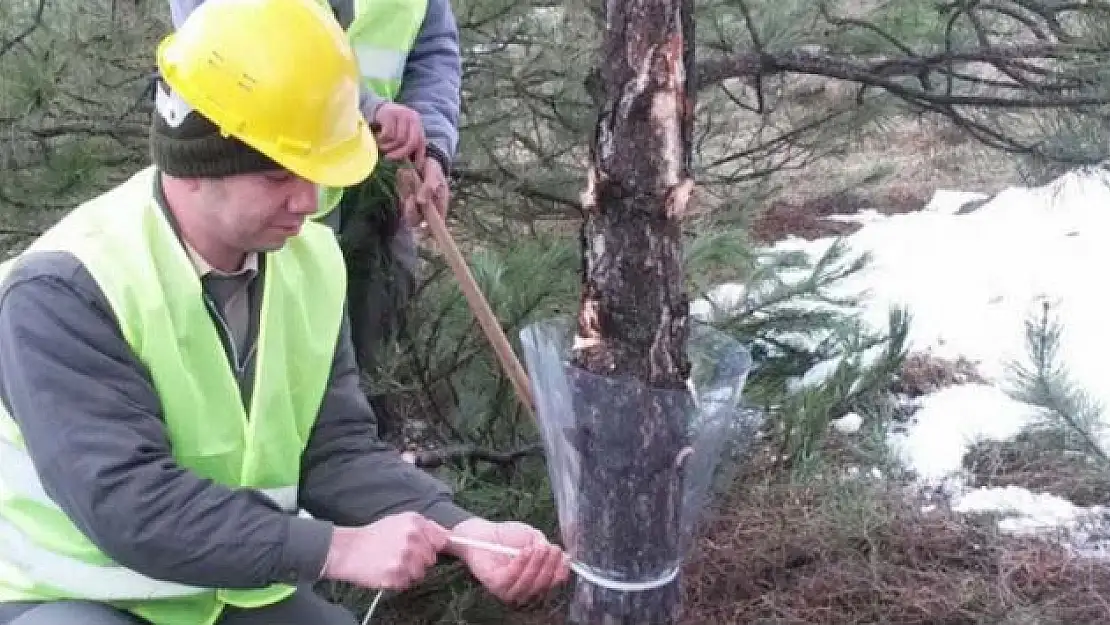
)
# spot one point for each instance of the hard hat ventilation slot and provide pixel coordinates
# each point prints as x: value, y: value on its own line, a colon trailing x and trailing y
x: 301, y: 148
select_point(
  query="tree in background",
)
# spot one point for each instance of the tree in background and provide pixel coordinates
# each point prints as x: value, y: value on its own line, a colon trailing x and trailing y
x: 781, y: 85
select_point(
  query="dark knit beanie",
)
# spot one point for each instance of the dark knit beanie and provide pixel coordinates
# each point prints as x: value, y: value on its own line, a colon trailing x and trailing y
x: 194, y: 148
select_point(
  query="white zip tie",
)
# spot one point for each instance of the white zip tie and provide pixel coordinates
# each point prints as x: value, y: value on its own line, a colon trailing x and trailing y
x: 585, y: 572
x: 488, y: 546
x: 373, y: 604
x: 591, y: 575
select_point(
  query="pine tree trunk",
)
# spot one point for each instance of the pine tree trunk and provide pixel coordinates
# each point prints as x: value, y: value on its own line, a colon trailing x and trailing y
x: 632, y: 324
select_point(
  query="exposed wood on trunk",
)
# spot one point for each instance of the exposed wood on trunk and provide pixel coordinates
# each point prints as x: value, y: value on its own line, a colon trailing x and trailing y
x: 630, y: 364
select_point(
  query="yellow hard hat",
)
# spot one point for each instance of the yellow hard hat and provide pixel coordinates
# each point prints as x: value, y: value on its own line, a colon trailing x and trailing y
x: 279, y: 75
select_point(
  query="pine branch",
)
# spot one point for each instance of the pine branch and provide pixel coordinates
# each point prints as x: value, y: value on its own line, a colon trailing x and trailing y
x: 859, y: 381
x: 502, y: 176
x: 26, y: 32
x: 882, y: 73
x: 1046, y: 385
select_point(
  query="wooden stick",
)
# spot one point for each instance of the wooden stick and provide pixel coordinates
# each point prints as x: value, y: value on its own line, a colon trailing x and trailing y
x: 480, y: 307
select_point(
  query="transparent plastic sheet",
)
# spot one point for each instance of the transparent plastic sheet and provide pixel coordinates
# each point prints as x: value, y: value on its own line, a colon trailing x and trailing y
x: 653, y: 454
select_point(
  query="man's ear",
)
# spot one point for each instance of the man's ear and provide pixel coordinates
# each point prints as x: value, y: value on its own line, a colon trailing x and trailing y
x: 175, y: 187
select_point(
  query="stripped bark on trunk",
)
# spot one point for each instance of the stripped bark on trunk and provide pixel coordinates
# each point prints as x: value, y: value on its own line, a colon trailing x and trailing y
x: 633, y: 317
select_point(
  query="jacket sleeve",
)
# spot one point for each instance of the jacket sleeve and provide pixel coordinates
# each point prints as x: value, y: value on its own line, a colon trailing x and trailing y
x: 180, y: 9
x: 348, y: 475
x: 432, y: 79
x: 92, y: 423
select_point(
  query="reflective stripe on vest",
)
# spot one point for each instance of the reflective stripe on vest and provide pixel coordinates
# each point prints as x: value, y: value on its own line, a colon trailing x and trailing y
x: 125, y: 242
x: 380, y: 63
x: 381, y: 35
x: 72, y: 577
x: 20, y: 479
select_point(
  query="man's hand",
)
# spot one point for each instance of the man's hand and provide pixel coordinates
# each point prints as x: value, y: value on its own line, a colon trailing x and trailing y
x: 393, y: 553
x: 401, y: 134
x: 421, y: 187
x: 514, y: 580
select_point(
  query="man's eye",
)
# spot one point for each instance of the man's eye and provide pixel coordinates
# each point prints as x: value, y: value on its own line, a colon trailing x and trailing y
x: 279, y: 177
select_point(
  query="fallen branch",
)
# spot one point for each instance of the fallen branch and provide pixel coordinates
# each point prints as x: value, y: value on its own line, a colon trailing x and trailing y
x: 22, y: 232
x: 476, y: 176
x: 433, y: 458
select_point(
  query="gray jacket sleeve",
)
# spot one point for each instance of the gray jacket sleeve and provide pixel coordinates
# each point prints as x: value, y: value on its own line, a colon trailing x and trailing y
x: 352, y: 478
x: 180, y: 9
x: 433, y: 78
x: 91, y: 421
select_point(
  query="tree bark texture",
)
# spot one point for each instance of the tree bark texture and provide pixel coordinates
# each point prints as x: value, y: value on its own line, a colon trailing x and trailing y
x: 629, y: 367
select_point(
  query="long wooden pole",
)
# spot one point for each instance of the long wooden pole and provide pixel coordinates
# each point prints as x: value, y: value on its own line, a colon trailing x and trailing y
x: 478, y: 304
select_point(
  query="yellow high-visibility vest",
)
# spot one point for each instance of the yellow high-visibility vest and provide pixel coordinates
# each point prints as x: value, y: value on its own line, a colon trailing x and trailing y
x: 123, y: 238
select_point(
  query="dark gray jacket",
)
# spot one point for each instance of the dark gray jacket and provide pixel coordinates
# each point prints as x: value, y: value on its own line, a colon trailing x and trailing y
x: 92, y: 422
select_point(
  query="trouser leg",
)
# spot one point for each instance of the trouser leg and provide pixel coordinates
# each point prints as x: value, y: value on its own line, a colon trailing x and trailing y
x: 381, y: 255
x: 381, y: 258
x: 65, y: 613
x: 381, y: 284
x: 305, y: 607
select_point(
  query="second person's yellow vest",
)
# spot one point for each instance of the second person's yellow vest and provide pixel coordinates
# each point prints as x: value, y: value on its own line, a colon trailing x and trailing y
x: 382, y: 34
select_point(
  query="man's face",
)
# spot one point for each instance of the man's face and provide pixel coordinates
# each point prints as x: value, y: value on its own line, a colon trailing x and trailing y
x: 257, y: 212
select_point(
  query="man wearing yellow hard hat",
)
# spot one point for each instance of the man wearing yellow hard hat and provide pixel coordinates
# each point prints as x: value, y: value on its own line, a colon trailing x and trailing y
x: 410, y: 70
x: 183, y: 440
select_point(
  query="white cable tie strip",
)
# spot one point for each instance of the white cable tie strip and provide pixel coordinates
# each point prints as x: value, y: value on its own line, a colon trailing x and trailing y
x: 482, y: 544
x: 590, y: 575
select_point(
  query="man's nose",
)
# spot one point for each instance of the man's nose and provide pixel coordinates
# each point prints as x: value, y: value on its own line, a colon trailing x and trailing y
x: 305, y: 198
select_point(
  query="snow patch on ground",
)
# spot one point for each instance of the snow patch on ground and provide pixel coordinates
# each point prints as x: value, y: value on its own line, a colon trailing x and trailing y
x: 848, y: 424
x: 972, y: 270
x: 1029, y: 512
x: 950, y: 421
x: 722, y: 299
x: 972, y: 280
